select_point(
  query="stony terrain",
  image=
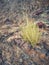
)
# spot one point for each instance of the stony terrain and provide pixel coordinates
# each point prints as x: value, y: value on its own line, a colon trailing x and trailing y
x: 13, y: 49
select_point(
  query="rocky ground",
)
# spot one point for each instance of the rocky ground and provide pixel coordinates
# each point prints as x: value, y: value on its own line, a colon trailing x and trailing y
x: 13, y: 49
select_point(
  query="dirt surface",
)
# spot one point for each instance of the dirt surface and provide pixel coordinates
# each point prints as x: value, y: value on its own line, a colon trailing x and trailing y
x: 13, y: 49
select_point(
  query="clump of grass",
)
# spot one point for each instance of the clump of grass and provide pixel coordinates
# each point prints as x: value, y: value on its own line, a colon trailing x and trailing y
x: 30, y: 32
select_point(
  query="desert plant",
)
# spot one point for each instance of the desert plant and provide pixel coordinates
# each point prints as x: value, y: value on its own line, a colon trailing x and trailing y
x: 31, y: 33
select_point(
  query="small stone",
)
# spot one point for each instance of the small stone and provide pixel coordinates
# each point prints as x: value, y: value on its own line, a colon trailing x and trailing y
x: 43, y: 50
x: 20, y: 60
x: 42, y: 56
x: 46, y: 45
x: 8, y: 21
x: 47, y: 54
x: 25, y: 56
x: 37, y: 48
x: 32, y: 53
x: 31, y: 63
x: 0, y: 60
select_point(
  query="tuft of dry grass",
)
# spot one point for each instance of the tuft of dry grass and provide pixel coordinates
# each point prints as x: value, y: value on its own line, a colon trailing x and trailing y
x: 30, y: 32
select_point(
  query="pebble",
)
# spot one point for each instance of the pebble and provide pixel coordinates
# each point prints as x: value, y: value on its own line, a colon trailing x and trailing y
x: 31, y: 63
x: 8, y: 21
x: 20, y: 60
x: 25, y: 56
x: 47, y: 54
